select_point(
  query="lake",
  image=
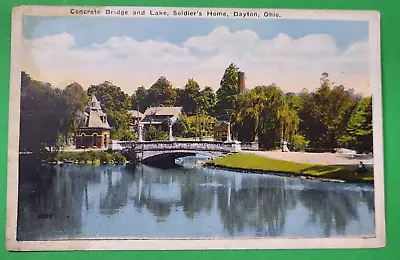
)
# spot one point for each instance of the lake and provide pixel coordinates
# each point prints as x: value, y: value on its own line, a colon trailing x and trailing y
x: 76, y: 201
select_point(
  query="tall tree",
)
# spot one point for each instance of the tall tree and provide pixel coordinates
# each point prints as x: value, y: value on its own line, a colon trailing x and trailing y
x: 111, y: 96
x: 137, y: 99
x: 180, y: 97
x: 289, y: 121
x: 45, y: 115
x: 260, y: 114
x: 325, y: 114
x: 358, y: 134
x: 160, y: 93
x: 228, y: 93
x: 191, y: 97
x: 207, y: 100
x: 76, y: 98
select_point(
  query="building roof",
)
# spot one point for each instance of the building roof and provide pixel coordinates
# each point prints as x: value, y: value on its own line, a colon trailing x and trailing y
x: 95, y: 120
x: 94, y: 103
x: 95, y: 117
x: 157, y: 115
x: 163, y: 111
x: 222, y: 123
x: 135, y: 113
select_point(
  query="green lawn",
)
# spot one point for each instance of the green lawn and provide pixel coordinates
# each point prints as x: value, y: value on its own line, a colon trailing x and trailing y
x: 259, y: 163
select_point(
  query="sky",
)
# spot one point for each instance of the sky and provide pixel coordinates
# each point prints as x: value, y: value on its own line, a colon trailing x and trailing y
x: 134, y: 52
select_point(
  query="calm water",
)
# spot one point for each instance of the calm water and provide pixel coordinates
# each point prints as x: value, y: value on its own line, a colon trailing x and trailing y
x: 146, y: 202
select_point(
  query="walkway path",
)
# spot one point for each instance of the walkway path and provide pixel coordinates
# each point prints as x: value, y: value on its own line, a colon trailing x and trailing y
x: 317, y: 158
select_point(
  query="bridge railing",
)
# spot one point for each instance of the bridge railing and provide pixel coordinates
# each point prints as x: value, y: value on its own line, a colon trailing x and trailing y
x: 177, y: 145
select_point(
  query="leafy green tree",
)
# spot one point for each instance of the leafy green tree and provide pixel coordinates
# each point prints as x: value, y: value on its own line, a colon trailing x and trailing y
x: 228, y: 93
x: 207, y: 101
x: 137, y: 99
x: 180, y: 97
x: 261, y: 113
x: 325, y: 114
x: 299, y: 143
x: 153, y: 133
x: 201, y: 125
x: 76, y: 98
x: 358, y: 134
x: 124, y: 135
x: 191, y: 97
x: 289, y: 121
x: 160, y: 93
x: 181, y: 126
x: 295, y: 101
x: 110, y: 96
x: 270, y: 130
x: 45, y: 116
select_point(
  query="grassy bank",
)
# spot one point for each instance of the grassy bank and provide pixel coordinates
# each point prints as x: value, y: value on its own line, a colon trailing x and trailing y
x: 259, y: 164
x: 86, y: 157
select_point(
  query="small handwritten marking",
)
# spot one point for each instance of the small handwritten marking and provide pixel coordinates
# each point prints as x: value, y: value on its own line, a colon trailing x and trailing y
x: 45, y: 216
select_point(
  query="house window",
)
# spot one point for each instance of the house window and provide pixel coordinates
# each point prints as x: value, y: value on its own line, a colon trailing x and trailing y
x: 95, y: 140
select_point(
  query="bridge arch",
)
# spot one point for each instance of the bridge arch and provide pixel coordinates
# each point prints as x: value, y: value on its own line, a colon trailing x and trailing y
x: 153, y: 151
x: 167, y: 158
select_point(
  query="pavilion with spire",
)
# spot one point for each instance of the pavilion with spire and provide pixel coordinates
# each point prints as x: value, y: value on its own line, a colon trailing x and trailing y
x: 93, y: 130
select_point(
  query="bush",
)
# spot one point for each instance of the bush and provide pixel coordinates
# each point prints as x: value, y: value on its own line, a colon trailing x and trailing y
x: 106, y: 157
x: 91, y: 157
x: 190, y: 134
x: 180, y: 127
x: 85, y: 157
x: 299, y: 143
x: 124, y: 135
x: 119, y: 158
x: 153, y: 133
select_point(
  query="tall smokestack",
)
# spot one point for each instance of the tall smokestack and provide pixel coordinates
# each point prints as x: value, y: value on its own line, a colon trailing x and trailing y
x: 241, y: 82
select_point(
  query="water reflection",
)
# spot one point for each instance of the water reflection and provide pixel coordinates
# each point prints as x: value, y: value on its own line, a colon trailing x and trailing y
x: 101, y: 201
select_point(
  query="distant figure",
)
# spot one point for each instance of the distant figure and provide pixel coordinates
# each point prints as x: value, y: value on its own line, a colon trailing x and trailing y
x: 285, y: 147
x: 361, y: 165
x: 361, y: 168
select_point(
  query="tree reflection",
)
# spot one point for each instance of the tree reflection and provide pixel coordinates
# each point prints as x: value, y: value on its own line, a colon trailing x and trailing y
x: 116, y: 196
x: 197, y: 194
x: 51, y: 207
x: 332, y: 209
x: 259, y: 206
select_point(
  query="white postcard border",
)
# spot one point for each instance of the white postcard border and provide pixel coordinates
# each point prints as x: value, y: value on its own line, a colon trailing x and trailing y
x: 195, y: 244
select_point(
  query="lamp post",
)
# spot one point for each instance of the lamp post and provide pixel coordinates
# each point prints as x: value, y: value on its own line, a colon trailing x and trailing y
x: 228, y: 137
x: 171, y: 138
x: 140, y: 130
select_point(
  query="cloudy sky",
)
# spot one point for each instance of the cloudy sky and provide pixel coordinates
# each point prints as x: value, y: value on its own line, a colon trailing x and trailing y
x: 133, y: 52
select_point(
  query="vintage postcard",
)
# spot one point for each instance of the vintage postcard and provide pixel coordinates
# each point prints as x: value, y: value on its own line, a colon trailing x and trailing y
x: 151, y: 128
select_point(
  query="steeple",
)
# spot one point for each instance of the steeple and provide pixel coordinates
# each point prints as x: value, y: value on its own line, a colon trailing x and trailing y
x: 94, y: 103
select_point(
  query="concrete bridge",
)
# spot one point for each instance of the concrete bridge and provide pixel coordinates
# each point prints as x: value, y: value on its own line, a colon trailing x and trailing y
x: 153, y: 152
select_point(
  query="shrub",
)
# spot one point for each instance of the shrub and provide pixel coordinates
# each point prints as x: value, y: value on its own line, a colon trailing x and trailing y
x: 106, y: 157
x: 119, y: 158
x: 190, y: 134
x: 299, y: 143
x: 85, y: 157
x: 154, y: 133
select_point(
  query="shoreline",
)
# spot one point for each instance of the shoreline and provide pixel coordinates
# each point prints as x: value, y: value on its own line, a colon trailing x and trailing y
x: 248, y: 162
x: 286, y: 174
